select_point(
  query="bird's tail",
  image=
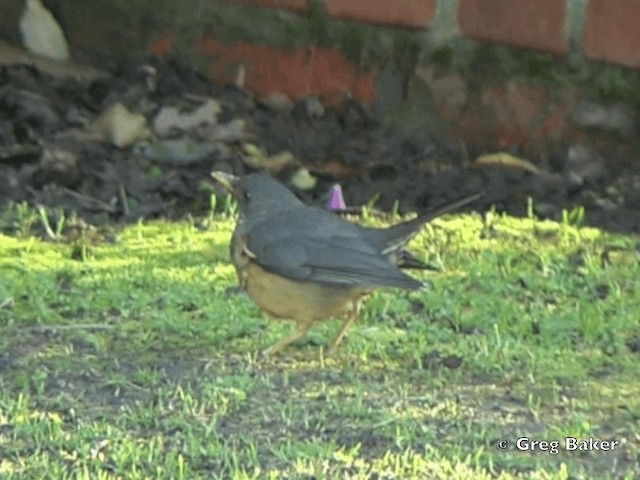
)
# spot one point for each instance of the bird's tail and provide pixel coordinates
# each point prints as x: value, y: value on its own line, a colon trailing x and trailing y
x: 396, y: 236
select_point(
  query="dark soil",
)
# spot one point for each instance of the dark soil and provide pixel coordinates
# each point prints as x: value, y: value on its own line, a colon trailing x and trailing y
x: 46, y: 157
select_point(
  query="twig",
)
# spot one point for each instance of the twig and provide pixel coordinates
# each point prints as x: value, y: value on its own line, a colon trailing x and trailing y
x: 359, y: 212
x: 91, y: 202
x: 80, y: 326
x: 123, y: 199
x: 6, y: 303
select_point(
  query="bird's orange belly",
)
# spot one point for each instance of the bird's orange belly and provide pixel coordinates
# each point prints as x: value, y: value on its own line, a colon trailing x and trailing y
x: 295, y: 300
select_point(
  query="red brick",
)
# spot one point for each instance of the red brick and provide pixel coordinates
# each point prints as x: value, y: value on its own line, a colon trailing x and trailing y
x: 405, y: 13
x: 535, y: 24
x: 162, y: 45
x: 519, y: 113
x: 518, y: 110
x: 296, y: 72
x: 296, y: 5
x: 613, y: 31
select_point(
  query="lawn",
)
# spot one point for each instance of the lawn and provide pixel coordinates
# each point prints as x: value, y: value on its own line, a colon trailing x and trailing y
x: 126, y: 354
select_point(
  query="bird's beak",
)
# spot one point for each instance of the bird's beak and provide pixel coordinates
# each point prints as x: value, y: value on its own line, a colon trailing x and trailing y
x: 227, y: 180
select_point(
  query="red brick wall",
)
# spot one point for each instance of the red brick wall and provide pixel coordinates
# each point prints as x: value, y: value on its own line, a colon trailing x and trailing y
x: 611, y: 32
x: 518, y: 112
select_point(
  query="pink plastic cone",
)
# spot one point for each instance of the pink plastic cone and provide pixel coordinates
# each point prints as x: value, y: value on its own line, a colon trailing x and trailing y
x: 336, y: 200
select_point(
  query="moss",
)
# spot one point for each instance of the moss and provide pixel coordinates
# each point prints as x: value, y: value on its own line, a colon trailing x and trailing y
x: 352, y: 42
x: 443, y: 56
x: 317, y: 22
x: 615, y: 83
x: 497, y: 63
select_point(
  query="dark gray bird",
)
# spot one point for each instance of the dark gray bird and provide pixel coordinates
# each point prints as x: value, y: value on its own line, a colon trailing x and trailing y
x: 307, y: 264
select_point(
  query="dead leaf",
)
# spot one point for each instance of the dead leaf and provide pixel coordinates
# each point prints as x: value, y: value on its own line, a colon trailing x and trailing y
x: 41, y: 32
x: 170, y: 119
x: 121, y: 127
x: 256, y: 158
x: 506, y: 160
x: 303, y: 180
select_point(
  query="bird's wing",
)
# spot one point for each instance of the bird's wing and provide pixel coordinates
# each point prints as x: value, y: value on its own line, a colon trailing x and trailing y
x: 324, y: 251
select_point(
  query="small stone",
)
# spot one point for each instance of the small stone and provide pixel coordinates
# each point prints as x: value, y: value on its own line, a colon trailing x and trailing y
x: 278, y: 102
x: 313, y: 106
x: 614, y: 117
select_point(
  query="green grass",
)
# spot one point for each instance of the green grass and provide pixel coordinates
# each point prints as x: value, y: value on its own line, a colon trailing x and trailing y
x: 132, y: 359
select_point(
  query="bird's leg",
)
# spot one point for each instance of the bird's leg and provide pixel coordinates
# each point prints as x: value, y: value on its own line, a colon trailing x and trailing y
x: 353, y: 315
x: 301, y: 330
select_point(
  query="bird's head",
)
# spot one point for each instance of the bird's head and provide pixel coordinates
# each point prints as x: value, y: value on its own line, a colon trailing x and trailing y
x: 257, y: 194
